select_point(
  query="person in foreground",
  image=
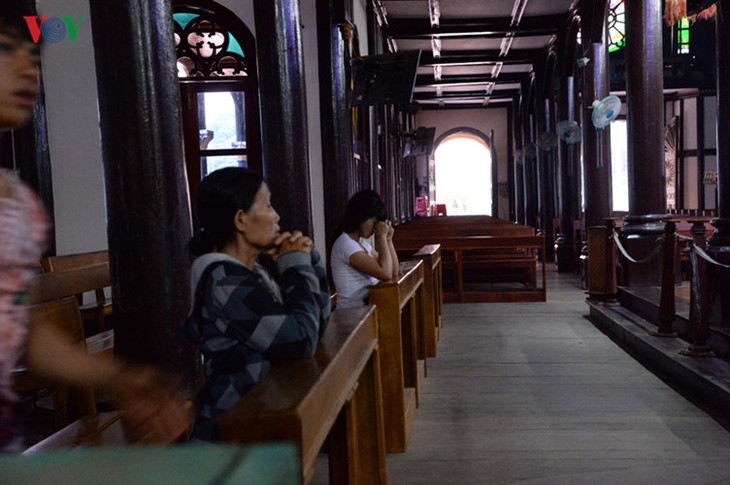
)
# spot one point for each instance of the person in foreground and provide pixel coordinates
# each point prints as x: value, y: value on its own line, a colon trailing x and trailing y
x: 354, y: 262
x: 242, y: 319
x: 150, y: 412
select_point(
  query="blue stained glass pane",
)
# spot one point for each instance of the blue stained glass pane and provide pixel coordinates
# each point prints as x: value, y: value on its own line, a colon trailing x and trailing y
x: 183, y: 18
x: 234, y: 46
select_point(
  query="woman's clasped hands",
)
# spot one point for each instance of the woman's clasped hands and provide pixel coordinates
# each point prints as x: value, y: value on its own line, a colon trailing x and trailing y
x: 287, y: 242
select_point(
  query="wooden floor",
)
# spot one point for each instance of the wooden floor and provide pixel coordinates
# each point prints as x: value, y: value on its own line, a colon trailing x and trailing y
x: 534, y: 393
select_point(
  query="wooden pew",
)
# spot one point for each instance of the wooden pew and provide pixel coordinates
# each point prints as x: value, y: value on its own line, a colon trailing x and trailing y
x: 93, y: 280
x: 504, y: 263
x: 426, y: 228
x: 62, y: 314
x: 337, y: 394
x: 492, y: 252
x: 432, y: 295
x: 400, y: 310
x: 50, y: 303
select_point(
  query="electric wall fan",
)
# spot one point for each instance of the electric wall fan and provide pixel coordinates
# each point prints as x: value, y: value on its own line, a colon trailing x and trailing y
x: 569, y: 131
x: 547, y: 141
x: 605, y: 111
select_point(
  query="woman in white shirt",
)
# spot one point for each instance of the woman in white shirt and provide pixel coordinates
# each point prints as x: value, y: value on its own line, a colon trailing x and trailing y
x: 355, y: 264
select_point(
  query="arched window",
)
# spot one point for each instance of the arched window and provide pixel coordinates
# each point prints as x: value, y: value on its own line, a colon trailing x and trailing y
x: 216, y: 65
x: 616, y: 26
x: 463, y: 175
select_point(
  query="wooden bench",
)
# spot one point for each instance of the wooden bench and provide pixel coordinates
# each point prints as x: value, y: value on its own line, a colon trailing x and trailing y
x: 506, y: 263
x: 336, y: 394
x: 400, y: 314
x: 62, y: 314
x: 90, y: 272
x: 432, y: 295
x: 492, y: 253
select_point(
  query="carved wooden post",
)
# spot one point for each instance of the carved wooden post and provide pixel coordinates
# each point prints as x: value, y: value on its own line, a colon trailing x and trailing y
x: 699, y: 323
x: 667, y: 311
x: 602, y: 263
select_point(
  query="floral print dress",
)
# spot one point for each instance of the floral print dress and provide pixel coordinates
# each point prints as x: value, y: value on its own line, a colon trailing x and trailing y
x: 24, y: 228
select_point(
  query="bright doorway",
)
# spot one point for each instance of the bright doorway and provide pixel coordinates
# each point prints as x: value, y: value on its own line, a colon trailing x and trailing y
x: 463, y: 175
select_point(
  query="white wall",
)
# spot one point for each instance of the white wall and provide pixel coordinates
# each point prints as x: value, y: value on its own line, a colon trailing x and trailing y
x: 69, y: 78
x: 484, y: 120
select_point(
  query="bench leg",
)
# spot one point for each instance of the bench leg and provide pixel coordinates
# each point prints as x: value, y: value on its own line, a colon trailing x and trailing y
x: 370, y: 425
x: 343, y: 447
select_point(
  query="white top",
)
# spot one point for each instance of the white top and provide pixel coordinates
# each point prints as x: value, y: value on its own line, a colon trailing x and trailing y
x: 351, y: 285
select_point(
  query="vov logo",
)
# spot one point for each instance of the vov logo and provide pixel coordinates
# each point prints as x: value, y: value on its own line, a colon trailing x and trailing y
x: 53, y: 29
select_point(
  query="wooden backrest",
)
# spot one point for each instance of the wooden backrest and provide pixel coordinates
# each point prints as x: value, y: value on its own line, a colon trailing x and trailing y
x: 64, y: 316
x: 73, y: 261
x: 52, y: 286
x: 88, y: 271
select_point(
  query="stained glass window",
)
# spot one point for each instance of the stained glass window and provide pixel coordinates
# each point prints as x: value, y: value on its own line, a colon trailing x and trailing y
x: 683, y: 36
x: 205, y: 49
x: 616, y: 26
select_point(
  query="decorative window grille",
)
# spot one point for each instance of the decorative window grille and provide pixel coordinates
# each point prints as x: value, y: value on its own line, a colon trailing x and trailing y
x: 205, y: 49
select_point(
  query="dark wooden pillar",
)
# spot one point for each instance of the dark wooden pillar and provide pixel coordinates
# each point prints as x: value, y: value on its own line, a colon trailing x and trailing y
x: 545, y: 173
x: 144, y: 171
x: 647, y: 189
x: 530, y: 175
x: 719, y: 242
x: 511, y: 163
x: 519, y: 156
x: 568, y: 160
x: 596, y: 143
x: 335, y: 114
x: 284, y: 111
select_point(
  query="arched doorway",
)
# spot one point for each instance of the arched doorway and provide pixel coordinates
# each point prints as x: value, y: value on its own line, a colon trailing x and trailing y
x: 463, y: 172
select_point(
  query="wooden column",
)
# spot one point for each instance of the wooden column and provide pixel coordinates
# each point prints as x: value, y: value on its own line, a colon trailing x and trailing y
x: 146, y: 189
x: 546, y: 177
x: 530, y: 172
x: 335, y: 114
x: 518, y: 187
x: 644, y: 86
x: 284, y: 111
x: 569, y: 184
x: 719, y: 242
x: 596, y: 144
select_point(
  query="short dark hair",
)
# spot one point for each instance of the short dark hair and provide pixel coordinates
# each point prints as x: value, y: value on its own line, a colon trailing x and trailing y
x: 219, y: 197
x: 361, y: 207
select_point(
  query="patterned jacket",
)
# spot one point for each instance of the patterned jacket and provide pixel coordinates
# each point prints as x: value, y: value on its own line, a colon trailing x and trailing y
x: 242, y: 321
